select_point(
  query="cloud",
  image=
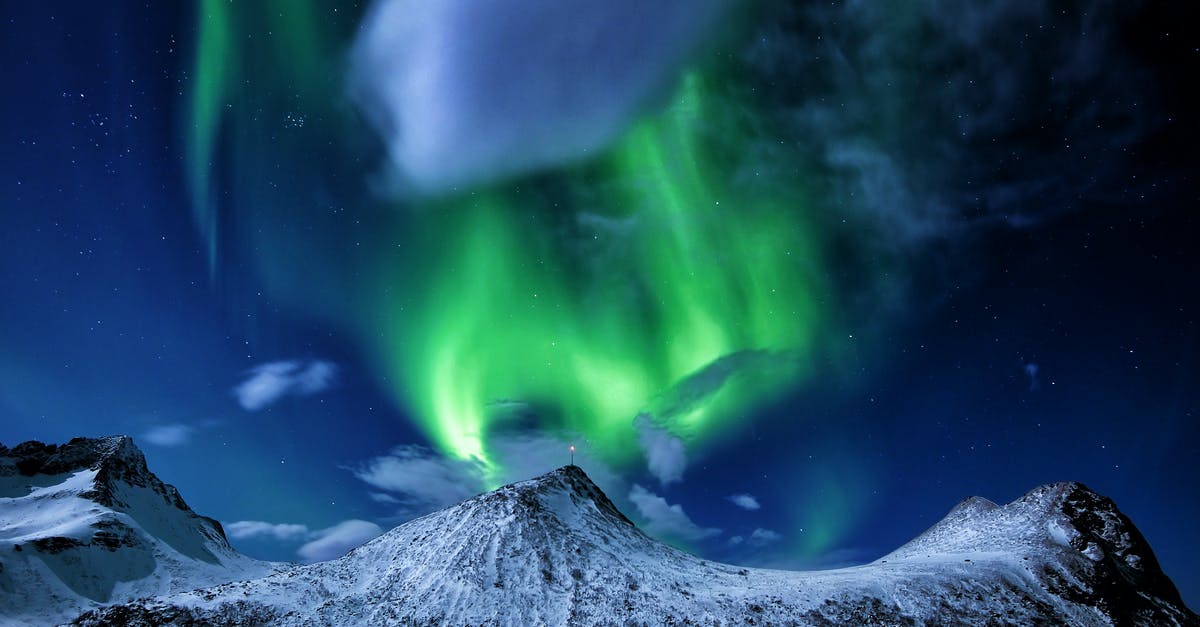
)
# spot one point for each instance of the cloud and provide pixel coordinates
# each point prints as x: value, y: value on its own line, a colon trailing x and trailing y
x: 249, y: 529
x: 758, y: 538
x: 918, y: 158
x: 762, y: 537
x: 745, y: 501
x: 319, y: 545
x: 168, y: 435
x: 420, y: 478
x: 749, y: 549
x: 383, y: 497
x: 752, y: 373
x: 664, y: 519
x: 271, y: 381
x: 465, y: 92
x: 665, y: 456
x: 1031, y: 371
x: 335, y: 541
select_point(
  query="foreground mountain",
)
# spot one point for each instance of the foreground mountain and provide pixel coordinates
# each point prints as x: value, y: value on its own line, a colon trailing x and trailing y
x: 555, y: 550
x: 86, y: 524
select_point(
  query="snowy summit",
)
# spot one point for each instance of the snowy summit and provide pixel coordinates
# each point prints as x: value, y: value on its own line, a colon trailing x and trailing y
x: 86, y: 523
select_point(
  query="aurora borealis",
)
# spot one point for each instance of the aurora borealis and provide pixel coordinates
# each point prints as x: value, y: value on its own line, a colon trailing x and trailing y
x: 512, y: 307
x: 510, y: 313
x: 857, y: 260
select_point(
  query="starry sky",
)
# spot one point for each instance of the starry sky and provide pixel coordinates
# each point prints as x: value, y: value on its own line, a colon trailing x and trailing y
x: 793, y: 277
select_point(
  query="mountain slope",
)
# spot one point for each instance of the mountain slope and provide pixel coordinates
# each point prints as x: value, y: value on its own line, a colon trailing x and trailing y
x: 554, y: 550
x: 86, y: 523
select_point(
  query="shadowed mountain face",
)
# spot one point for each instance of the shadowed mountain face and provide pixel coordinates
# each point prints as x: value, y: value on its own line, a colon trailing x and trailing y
x: 555, y: 550
x: 86, y: 523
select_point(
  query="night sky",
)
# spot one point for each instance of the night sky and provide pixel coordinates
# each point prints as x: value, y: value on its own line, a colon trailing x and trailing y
x: 794, y: 278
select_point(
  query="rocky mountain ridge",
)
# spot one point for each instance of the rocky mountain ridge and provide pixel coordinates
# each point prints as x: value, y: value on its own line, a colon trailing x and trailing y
x: 86, y: 523
x: 555, y: 550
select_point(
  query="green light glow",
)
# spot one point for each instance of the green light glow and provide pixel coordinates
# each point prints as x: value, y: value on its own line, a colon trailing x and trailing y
x: 253, y: 64
x: 659, y: 278
x: 828, y: 499
x: 211, y: 79
x: 694, y: 273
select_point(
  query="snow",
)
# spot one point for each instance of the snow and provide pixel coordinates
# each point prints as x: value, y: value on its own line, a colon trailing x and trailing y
x: 551, y: 550
x: 554, y: 550
x: 62, y: 551
x: 49, y: 511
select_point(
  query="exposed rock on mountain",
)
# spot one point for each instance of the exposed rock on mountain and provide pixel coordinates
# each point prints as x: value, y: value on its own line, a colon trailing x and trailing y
x: 86, y: 523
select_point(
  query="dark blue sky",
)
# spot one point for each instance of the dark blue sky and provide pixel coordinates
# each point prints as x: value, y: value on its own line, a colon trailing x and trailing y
x: 1060, y: 346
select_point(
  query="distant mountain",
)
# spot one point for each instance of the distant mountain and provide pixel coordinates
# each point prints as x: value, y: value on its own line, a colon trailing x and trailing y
x: 86, y: 524
x: 555, y: 550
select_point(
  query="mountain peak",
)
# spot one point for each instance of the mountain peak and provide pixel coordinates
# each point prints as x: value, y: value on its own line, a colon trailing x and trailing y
x: 574, y: 479
x: 36, y: 458
x: 568, y: 482
x: 86, y: 523
x: 1087, y: 528
x: 115, y: 458
x: 1107, y: 537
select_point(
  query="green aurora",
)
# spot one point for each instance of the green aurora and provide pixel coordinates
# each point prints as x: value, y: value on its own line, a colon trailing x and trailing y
x: 662, y: 278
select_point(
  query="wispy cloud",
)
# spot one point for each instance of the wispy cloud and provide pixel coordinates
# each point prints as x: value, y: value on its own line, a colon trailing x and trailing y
x: 174, y: 434
x: 907, y: 176
x: 249, y: 529
x: 664, y: 519
x: 337, y: 540
x: 762, y: 537
x: 1031, y: 371
x: 267, y: 383
x: 745, y: 501
x: 319, y: 545
x: 665, y: 455
x: 420, y: 478
x: 429, y: 75
x: 383, y: 497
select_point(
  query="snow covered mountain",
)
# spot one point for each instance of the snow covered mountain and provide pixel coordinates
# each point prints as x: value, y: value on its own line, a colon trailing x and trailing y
x: 554, y: 550
x: 86, y: 523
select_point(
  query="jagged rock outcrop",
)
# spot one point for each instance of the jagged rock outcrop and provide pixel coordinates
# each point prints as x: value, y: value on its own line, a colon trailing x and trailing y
x: 86, y: 523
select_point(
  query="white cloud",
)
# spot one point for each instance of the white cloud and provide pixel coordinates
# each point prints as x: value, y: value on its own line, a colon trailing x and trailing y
x: 168, y: 435
x: 461, y: 93
x: 421, y: 478
x: 269, y: 382
x: 745, y: 501
x: 247, y: 529
x: 665, y: 519
x: 319, y: 545
x: 383, y: 497
x: 761, y: 537
x: 665, y: 456
x: 335, y: 541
